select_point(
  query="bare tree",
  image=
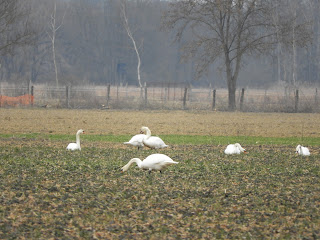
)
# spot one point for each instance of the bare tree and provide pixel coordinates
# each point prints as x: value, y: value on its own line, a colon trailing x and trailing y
x: 130, y: 34
x: 228, y: 30
x: 54, y: 27
x: 15, y: 29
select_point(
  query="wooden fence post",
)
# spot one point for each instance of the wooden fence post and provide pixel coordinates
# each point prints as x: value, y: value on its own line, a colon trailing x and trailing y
x: 108, y: 95
x: 241, y: 99
x: 145, y: 94
x: 32, y: 95
x: 185, y: 98
x: 316, y: 97
x: 165, y: 94
x: 296, y: 102
x: 117, y: 92
x: 213, y: 99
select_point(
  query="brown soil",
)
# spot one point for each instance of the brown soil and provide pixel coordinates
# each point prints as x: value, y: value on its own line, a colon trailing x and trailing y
x: 65, y: 121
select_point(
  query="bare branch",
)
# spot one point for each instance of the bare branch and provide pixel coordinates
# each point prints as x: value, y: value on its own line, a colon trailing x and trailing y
x: 128, y: 30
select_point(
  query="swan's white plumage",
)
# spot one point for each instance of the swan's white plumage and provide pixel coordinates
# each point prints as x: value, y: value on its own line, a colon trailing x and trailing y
x: 302, y: 150
x: 76, y: 145
x: 234, y: 149
x: 152, y: 141
x: 136, y: 141
x: 156, y: 162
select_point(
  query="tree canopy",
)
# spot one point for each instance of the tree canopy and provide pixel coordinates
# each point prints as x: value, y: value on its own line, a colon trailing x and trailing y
x: 229, y: 30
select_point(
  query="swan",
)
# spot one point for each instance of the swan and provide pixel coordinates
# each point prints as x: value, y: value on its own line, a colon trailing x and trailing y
x: 136, y: 140
x: 157, y: 162
x: 234, y: 149
x: 76, y: 145
x: 302, y: 150
x: 152, y: 141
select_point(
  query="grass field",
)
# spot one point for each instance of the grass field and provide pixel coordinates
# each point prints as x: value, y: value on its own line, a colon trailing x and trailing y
x: 49, y: 193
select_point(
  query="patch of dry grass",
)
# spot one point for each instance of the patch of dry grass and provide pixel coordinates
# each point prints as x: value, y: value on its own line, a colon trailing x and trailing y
x: 64, y: 121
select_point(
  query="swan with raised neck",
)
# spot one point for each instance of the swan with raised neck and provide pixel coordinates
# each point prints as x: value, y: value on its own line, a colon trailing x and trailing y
x: 76, y: 145
x: 152, y: 141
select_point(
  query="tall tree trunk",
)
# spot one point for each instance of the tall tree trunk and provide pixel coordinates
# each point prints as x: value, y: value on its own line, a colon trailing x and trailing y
x: 52, y: 35
x: 129, y: 32
x: 231, y: 95
x: 314, y: 47
x: 231, y: 86
x: 294, y: 52
x: 279, y: 62
x: 53, y: 41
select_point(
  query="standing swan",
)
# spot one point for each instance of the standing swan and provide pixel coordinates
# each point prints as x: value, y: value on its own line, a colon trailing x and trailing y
x: 234, y: 149
x: 151, y: 141
x: 157, y: 162
x: 302, y: 150
x: 76, y: 145
x: 136, y: 140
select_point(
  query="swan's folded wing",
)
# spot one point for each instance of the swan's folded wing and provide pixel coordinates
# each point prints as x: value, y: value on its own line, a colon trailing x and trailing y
x: 72, y: 146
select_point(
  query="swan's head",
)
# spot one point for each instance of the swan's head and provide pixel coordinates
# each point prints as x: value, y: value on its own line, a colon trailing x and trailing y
x: 80, y: 131
x: 125, y: 168
x: 298, y: 148
x: 133, y: 160
x: 143, y: 130
x: 240, y: 148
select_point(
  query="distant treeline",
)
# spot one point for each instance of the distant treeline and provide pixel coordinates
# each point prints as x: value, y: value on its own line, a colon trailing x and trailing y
x: 92, y: 47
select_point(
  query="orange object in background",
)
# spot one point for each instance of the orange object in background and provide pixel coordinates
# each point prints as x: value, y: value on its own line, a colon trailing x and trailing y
x: 23, y: 100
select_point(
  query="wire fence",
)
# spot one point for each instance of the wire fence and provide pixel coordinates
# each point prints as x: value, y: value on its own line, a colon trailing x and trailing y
x: 169, y: 97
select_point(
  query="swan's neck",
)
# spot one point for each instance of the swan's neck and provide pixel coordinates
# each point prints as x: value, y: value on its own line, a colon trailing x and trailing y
x: 133, y: 160
x: 78, y: 139
x: 148, y: 133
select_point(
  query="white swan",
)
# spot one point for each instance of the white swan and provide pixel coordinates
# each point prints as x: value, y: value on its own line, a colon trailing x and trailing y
x: 302, y: 150
x: 156, y: 162
x: 76, y: 145
x: 152, y: 141
x: 234, y: 149
x: 136, y: 140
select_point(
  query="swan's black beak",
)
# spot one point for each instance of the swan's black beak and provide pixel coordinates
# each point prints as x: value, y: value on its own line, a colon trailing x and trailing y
x: 141, y: 132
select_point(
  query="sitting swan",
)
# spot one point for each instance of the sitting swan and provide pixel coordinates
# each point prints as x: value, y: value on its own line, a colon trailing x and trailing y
x: 234, y: 149
x: 152, y: 141
x: 136, y: 140
x: 302, y: 150
x: 76, y: 145
x: 156, y: 162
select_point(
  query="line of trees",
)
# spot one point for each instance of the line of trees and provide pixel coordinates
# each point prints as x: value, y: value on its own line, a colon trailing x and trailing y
x: 225, y: 43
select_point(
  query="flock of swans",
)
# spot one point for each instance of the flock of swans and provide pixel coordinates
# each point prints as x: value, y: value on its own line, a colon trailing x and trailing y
x: 159, y: 162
